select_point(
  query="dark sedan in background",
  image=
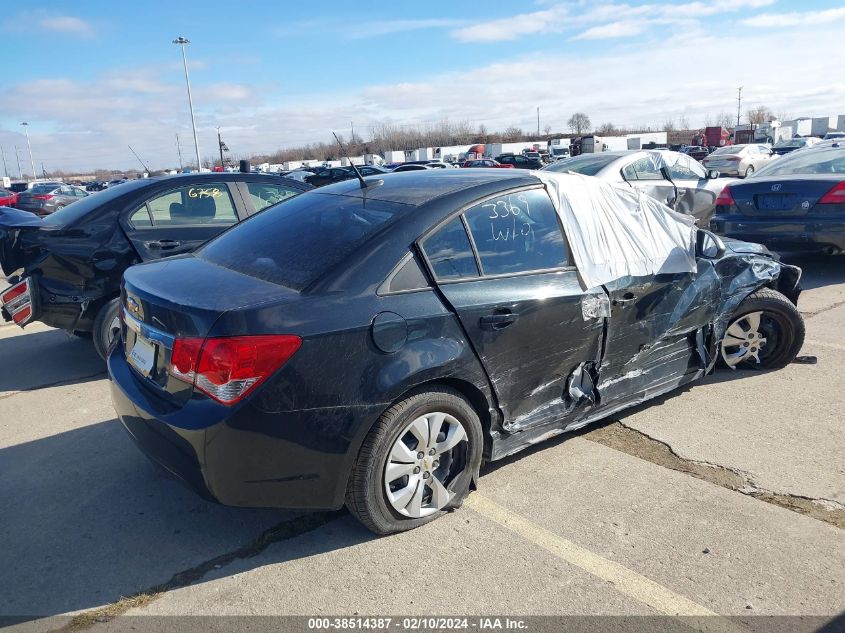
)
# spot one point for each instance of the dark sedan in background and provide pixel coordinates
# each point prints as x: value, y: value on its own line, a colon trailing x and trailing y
x: 796, y: 204
x: 66, y: 267
x: 519, y: 161
x: 372, y: 345
x: 329, y: 175
x: 46, y: 198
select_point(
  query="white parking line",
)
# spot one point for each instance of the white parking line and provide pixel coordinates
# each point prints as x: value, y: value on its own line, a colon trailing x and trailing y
x: 623, y: 579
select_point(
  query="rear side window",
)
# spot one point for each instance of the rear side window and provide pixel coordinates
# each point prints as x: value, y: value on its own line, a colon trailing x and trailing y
x: 450, y: 253
x: 295, y: 243
x: 264, y: 194
x: 517, y: 232
x: 204, y: 203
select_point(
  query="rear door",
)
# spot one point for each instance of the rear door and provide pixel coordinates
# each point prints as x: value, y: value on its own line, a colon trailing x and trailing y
x: 180, y: 219
x: 503, y: 266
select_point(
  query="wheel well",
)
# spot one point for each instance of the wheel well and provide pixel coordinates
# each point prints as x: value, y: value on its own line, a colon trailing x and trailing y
x: 472, y: 394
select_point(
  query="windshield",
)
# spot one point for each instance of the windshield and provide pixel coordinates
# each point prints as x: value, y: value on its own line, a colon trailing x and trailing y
x: 824, y: 160
x: 295, y: 243
x: 82, y: 207
x: 587, y: 164
x: 730, y: 149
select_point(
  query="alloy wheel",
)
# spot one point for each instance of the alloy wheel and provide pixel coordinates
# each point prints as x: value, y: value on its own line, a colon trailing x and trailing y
x: 428, y: 455
x: 745, y: 340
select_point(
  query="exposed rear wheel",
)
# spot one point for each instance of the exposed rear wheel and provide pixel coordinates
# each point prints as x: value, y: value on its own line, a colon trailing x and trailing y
x: 749, y: 171
x: 106, y: 328
x: 417, y: 462
x: 766, y: 332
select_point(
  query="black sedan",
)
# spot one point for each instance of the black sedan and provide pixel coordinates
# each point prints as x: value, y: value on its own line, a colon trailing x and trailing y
x: 372, y: 346
x: 520, y: 162
x: 47, y: 198
x: 795, y: 204
x: 329, y: 175
x: 67, y: 266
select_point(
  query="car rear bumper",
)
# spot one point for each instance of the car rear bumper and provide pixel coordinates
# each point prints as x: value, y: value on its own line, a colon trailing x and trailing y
x: 784, y: 235
x: 241, y: 456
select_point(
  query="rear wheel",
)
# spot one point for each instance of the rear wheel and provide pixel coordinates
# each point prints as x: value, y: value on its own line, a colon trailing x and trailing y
x: 106, y: 328
x: 766, y: 332
x: 749, y: 171
x: 417, y: 462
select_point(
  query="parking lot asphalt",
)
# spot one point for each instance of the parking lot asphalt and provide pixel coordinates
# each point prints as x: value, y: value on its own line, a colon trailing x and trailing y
x: 726, y: 497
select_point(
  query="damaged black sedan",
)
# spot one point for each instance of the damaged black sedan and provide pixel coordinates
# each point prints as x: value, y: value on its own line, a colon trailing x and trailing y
x: 66, y: 268
x: 371, y: 344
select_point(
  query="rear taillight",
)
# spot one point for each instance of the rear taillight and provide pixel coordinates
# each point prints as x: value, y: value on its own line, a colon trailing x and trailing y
x: 725, y: 198
x: 43, y: 196
x: 17, y: 301
x: 835, y: 195
x: 228, y: 368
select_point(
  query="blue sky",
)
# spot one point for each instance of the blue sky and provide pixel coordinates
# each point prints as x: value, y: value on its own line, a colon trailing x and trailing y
x: 92, y: 77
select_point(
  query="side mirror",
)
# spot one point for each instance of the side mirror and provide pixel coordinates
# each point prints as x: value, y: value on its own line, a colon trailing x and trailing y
x: 709, y: 245
x: 712, y: 174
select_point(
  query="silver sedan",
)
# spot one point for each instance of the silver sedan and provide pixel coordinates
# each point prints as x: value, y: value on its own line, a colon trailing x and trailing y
x: 674, y: 179
x: 739, y: 160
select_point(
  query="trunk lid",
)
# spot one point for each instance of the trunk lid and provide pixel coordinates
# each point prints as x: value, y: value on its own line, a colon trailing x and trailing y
x: 181, y: 297
x: 781, y: 196
x: 16, y: 249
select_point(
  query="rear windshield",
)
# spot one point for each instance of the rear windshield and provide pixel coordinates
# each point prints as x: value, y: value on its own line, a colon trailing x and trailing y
x: 82, y: 207
x: 587, y: 164
x: 730, y: 149
x: 816, y: 160
x: 43, y: 188
x: 294, y: 243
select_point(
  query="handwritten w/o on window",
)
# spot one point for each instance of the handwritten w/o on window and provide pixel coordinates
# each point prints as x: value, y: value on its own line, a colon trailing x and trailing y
x: 510, y: 217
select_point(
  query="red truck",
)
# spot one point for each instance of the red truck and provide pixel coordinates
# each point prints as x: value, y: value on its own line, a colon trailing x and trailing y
x: 717, y: 136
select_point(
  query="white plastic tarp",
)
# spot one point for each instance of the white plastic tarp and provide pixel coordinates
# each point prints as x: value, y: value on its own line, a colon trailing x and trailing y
x: 615, y: 231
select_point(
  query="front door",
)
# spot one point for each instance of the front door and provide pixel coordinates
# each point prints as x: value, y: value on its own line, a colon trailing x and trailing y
x: 655, y: 330
x: 180, y: 220
x: 519, y: 301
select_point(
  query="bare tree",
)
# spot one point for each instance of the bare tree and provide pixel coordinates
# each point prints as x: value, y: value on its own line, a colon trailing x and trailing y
x: 725, y: 120
x: 760, y: 114
x: 607, y: 128
x: 579, y: 123
x: 669, y: 126
x: 547, y: 130
x: 512, y: 133
x: 683, y: 123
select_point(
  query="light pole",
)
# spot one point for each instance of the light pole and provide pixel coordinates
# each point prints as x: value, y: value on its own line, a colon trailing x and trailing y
x: 31, y: 162
x: 181, y: 41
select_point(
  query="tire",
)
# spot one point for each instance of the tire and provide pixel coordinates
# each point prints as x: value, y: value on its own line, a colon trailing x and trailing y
x: 104, y: 328
x: 367, y: 494
x: 749, y: 171
x: 778, y: 324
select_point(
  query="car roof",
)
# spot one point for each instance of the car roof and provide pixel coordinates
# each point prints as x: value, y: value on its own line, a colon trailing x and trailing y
x: 420, y: 187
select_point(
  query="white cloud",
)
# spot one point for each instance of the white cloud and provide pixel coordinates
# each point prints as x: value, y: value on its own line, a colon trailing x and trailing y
x: 611, y: 19
x: 388, y: 27
x: 514, y: 27
x: 66, y: 24
x: 795, y: 19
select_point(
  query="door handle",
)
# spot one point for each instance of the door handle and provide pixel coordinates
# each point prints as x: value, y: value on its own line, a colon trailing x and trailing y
x: 628, y: 297
x: 498, y: 321
x: 163, y: 244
